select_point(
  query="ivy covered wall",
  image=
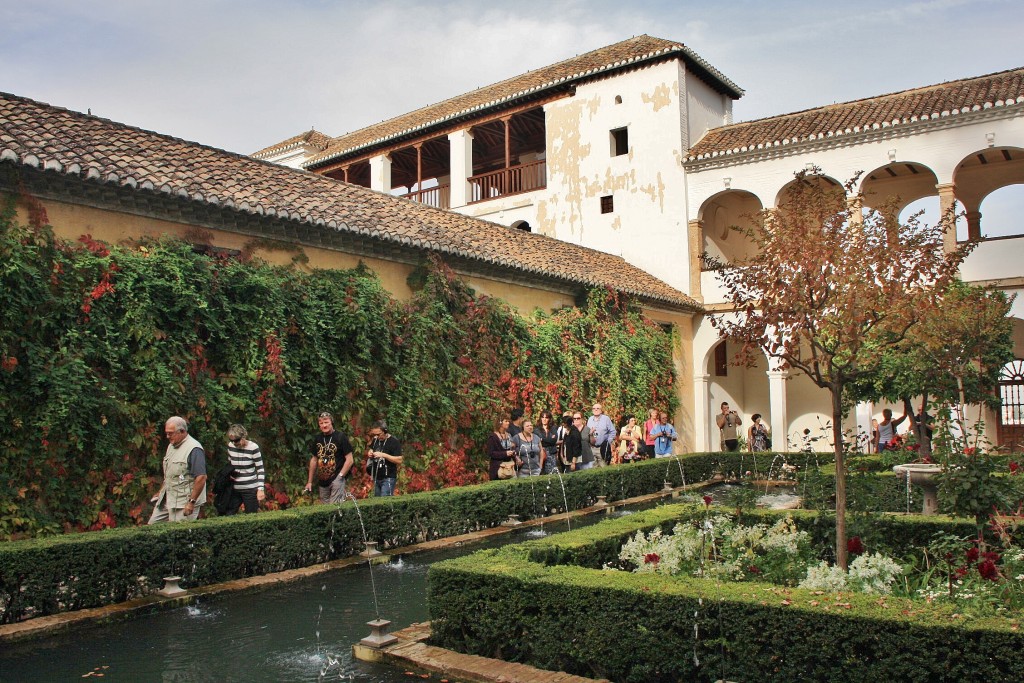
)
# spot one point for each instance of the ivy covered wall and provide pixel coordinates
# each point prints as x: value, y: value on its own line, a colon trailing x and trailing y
x: 99, y: 344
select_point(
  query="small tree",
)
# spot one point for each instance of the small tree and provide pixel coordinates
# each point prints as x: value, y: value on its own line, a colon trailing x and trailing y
x: 952, y: 356
x: 828, y: 287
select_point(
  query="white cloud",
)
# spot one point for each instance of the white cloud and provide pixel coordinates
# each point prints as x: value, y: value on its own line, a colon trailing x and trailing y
x: 242, y: 75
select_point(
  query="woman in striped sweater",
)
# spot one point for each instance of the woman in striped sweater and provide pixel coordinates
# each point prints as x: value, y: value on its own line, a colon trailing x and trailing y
x: 248, y: 479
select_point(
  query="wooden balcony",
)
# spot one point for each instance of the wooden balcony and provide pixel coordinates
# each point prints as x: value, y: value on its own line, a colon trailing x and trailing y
x: 438, y: 197
x: 506, y: 181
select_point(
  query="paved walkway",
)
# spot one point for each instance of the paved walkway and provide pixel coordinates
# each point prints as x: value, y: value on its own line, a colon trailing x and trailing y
x: 411, y: 650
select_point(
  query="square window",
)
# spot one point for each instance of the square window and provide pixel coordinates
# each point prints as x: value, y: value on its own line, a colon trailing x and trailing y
x: 607, y: 205
x: 620, y: 142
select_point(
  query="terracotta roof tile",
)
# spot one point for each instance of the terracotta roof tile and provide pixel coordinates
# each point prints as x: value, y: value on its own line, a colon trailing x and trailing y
x: 40, y: 136
x: 312, y: 138
x: 594, y: 64
x: 910, y: 106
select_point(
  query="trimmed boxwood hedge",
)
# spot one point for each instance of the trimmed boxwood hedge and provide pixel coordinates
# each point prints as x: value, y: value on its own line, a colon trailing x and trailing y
x: 872, y: 491
x: 56, y: 574
x: 545, y: 603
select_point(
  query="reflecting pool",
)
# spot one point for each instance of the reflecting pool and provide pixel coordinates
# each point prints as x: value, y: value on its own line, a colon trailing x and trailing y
x: 301, y: 631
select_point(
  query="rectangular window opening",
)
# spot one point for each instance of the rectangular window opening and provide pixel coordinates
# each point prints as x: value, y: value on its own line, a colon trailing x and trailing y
x: 607, y: 205
x: 620, y: 142
x: 721, y: 361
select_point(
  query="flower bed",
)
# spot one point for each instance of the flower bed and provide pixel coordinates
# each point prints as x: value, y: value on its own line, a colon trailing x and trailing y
x: 551, y: 603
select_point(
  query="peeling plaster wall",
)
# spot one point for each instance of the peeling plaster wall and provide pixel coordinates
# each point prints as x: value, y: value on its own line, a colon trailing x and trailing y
x: 648, y: 224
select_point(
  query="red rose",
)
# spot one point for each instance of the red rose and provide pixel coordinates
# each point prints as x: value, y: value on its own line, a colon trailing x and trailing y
x: 854, y: 546
x: 1014, y: 467
x: 652, y: 558
x: 972, y: 554
x: 707, y: 500
x: 988, y: 570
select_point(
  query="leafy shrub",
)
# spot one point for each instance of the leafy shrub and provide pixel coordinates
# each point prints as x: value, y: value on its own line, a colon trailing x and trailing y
x: 99, y: 344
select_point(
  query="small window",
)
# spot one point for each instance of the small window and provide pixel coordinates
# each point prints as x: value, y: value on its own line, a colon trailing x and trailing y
x: 522, y: 225
x: 607, y: 205
x: 618, y: 99
x: 620, y: 142
x: 721, y: 361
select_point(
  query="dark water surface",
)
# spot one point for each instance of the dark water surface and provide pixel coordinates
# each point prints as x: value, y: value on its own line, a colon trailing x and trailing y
x: 302, y: 631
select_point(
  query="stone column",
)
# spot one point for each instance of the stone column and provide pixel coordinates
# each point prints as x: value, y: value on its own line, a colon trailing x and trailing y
x: 973, y: 225
x: 701, y: 417
x: 855, y: 204
x: 695, y: 232
x: 947, y: 200
x: 380, y: 173
x: 777, y: 405
x: 461, y: 162
x: 863, y: 412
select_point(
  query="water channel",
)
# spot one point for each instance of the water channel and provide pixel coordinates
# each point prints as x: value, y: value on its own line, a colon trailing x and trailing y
x: 302, y: 631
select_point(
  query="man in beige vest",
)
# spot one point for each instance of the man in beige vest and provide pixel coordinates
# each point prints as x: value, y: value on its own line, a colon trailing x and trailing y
x: 184, y: 488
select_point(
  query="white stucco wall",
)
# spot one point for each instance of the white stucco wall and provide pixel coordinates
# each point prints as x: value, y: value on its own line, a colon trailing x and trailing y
x: 648, y: 224
x: 993, y: 259
x: 705, y: 109
x: 939, y: 147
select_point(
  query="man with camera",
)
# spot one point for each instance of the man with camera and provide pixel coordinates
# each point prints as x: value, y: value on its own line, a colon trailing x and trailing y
x: 383, y: 456
x: 728, y: 421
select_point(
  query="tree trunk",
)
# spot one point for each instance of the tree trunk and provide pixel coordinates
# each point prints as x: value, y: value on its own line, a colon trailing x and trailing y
x: 837, y: 441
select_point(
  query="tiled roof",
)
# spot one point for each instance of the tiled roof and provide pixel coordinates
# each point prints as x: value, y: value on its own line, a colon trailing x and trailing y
x: 39, y: 136
x: 312, y: 138
x: 623, y: 55
x: 874, y: 113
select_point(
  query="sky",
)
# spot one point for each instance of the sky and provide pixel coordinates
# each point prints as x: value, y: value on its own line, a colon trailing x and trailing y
x: 244, y: 75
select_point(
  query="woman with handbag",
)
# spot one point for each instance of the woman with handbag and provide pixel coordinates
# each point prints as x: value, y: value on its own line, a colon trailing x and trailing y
x: 529, y: 451
x: 630, y: 438
x: 501, y: 452
x: 758, y: 439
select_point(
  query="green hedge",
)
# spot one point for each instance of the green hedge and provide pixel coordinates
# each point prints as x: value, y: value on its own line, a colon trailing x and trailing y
x: 60, y: 573
x: 872, y: 491
x: 516, y: 603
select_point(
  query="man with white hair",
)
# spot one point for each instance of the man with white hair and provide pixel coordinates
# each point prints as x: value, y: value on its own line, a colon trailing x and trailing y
x: 184, y: 488
x: 602, y: 434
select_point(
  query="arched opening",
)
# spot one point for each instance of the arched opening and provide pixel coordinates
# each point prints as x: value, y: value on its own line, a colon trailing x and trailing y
x: 719, y: 216
x: 928, y: 212
x: 1011, y: 410
x: 788, y: 194
x: 744, y: 388
x: 895, y: 186
x: 980, y: 175
x: 522, y: 225
x: 1001, y: 212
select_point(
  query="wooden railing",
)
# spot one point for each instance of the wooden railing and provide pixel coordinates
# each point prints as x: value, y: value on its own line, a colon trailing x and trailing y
x: 523, y: 178
x: 439, y: 197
